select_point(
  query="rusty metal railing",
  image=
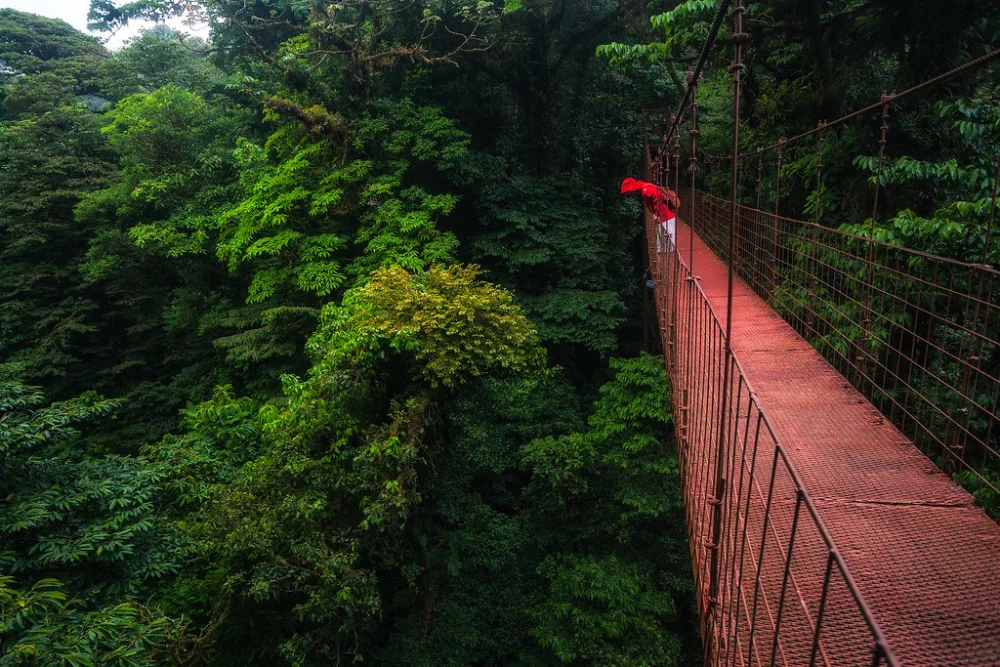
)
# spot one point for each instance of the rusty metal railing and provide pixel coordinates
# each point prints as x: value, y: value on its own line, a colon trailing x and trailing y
x: 914, y: 332
x: 785, y: 595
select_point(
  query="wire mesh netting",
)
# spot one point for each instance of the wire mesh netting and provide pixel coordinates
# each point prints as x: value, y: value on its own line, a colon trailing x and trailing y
x: 915, y: 333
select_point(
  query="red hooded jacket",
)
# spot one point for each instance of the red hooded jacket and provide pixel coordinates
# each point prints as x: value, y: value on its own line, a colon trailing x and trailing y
x: 663, y: 203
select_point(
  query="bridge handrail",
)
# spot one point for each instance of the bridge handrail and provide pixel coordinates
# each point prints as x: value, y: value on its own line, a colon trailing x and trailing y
x: 973, y: 266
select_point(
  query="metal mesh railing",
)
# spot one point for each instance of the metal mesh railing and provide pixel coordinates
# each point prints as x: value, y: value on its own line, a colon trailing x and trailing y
x: 915, y: 333
x: 782, y: 593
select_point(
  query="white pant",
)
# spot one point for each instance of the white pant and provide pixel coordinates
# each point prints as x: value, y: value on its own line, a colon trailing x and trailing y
x: 666, y: 232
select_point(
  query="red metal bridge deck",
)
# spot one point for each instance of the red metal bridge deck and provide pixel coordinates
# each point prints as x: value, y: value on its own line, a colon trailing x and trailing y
x: 925, y: 559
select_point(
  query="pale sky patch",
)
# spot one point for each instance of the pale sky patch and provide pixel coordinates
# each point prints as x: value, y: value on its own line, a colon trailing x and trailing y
x: 74, y: 12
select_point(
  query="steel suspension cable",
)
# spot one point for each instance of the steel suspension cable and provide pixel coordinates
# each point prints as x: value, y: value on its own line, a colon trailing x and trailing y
x: 706, y: 49
x: 892, y: 97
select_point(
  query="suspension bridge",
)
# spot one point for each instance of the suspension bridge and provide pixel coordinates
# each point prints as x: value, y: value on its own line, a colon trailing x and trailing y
x: 830, y: 390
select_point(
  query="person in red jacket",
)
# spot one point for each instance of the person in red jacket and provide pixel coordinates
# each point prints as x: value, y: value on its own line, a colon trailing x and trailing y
x: 663, y: 204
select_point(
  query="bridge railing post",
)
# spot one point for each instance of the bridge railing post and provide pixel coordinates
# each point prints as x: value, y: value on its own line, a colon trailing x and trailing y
x: 693, y: 162
x: 774, y: 221
x: 811, y: 315
x: 713, y: 637
x: 861, y: 371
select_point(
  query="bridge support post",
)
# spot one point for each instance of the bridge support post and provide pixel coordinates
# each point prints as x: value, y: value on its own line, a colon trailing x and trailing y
x: 677, y: 165
x: 693, y: 164
x: 774, y: 221
x: 714, y: 639
x: 811, y: 316
x: 861, y: 371
x: 682, y: 427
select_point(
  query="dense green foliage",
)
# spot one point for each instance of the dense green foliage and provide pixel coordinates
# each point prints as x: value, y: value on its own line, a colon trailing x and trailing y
x: 82, y: 544
x: 306, y: 340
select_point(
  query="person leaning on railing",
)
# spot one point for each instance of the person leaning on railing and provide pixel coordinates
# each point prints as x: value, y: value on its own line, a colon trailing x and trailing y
x: 663, y: 203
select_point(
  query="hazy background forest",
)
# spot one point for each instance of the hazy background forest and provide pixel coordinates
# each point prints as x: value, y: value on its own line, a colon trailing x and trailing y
x: 320, y: 338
